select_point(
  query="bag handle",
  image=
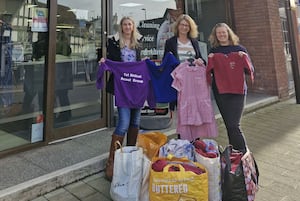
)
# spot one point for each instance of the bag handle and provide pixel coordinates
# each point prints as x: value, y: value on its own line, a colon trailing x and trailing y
x: 181, y: 168
x: 118, y: 145
x: 227, y: 156
x: 226, y: 153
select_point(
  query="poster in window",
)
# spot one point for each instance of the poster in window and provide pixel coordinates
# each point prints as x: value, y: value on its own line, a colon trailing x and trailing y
x: 156, y: 31
x: 39, y: 19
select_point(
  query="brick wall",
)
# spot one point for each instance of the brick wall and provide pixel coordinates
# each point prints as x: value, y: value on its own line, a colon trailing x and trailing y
x: 258, y: 25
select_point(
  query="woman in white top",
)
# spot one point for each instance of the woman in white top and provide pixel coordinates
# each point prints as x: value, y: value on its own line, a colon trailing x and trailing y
x: 184, y: 44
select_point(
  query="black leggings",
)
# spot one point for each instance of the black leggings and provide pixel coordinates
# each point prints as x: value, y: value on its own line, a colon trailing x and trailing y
x: 231, y: 107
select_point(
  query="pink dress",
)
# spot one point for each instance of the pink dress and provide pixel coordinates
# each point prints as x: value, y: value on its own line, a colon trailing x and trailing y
x: 195, y: 116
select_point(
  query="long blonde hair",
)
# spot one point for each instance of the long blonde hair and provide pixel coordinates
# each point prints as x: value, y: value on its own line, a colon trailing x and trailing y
x: 193, y: 33
x: 134, y: 43
x: 232, y: 37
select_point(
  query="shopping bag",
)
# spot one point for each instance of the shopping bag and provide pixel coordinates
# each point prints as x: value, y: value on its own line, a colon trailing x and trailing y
x: 178, y: 148
x: 151, y: 142
x: 233, y: 180
x: 179, y: 184
x: 127, y: 177
x: 211, y: 160
x: 144, y: 192
x: 251, y: 175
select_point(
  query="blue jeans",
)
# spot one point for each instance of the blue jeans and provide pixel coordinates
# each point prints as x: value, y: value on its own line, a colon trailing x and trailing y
x: 127, y: 117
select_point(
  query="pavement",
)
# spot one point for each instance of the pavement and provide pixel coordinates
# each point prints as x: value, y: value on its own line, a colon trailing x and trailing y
x: 72, y: 170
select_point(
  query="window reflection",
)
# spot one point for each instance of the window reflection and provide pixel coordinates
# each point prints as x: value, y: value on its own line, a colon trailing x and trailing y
x: 23, y: 52
x: 23, y: 30
x: 154, y: 20
x: 77, y: 99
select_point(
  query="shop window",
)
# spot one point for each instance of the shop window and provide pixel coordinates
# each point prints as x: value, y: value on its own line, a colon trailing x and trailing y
x: 78, y: 33
x: 22, y: 24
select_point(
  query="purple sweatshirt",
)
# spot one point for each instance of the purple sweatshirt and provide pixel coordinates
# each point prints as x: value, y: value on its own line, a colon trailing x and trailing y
x: 131, y: 81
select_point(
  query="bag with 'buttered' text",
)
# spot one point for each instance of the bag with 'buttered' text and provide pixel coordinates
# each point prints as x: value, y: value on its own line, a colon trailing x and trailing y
x: 178, y: 181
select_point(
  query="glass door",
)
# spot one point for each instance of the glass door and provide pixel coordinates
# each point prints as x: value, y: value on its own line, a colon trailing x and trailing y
x: 22, y: 65
x: 47, y: 76
x: 78, y: 105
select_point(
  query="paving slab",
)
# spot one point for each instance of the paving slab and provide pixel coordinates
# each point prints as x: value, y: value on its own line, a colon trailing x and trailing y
x: 272, y: 133
x: 58, y: 165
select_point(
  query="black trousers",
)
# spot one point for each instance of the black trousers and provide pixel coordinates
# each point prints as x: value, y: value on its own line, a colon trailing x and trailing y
x: 231, y: 108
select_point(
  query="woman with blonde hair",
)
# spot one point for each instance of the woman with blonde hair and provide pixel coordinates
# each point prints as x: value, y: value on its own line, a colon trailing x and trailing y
x: 228, y: 61
x: 233, y: 39
x: 123, y: 47
x: 184, y: 44
x: 129, y: 34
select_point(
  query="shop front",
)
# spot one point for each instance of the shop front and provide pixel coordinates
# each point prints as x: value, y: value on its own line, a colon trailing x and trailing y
x: 49, y: 57
x: 50, y: 51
